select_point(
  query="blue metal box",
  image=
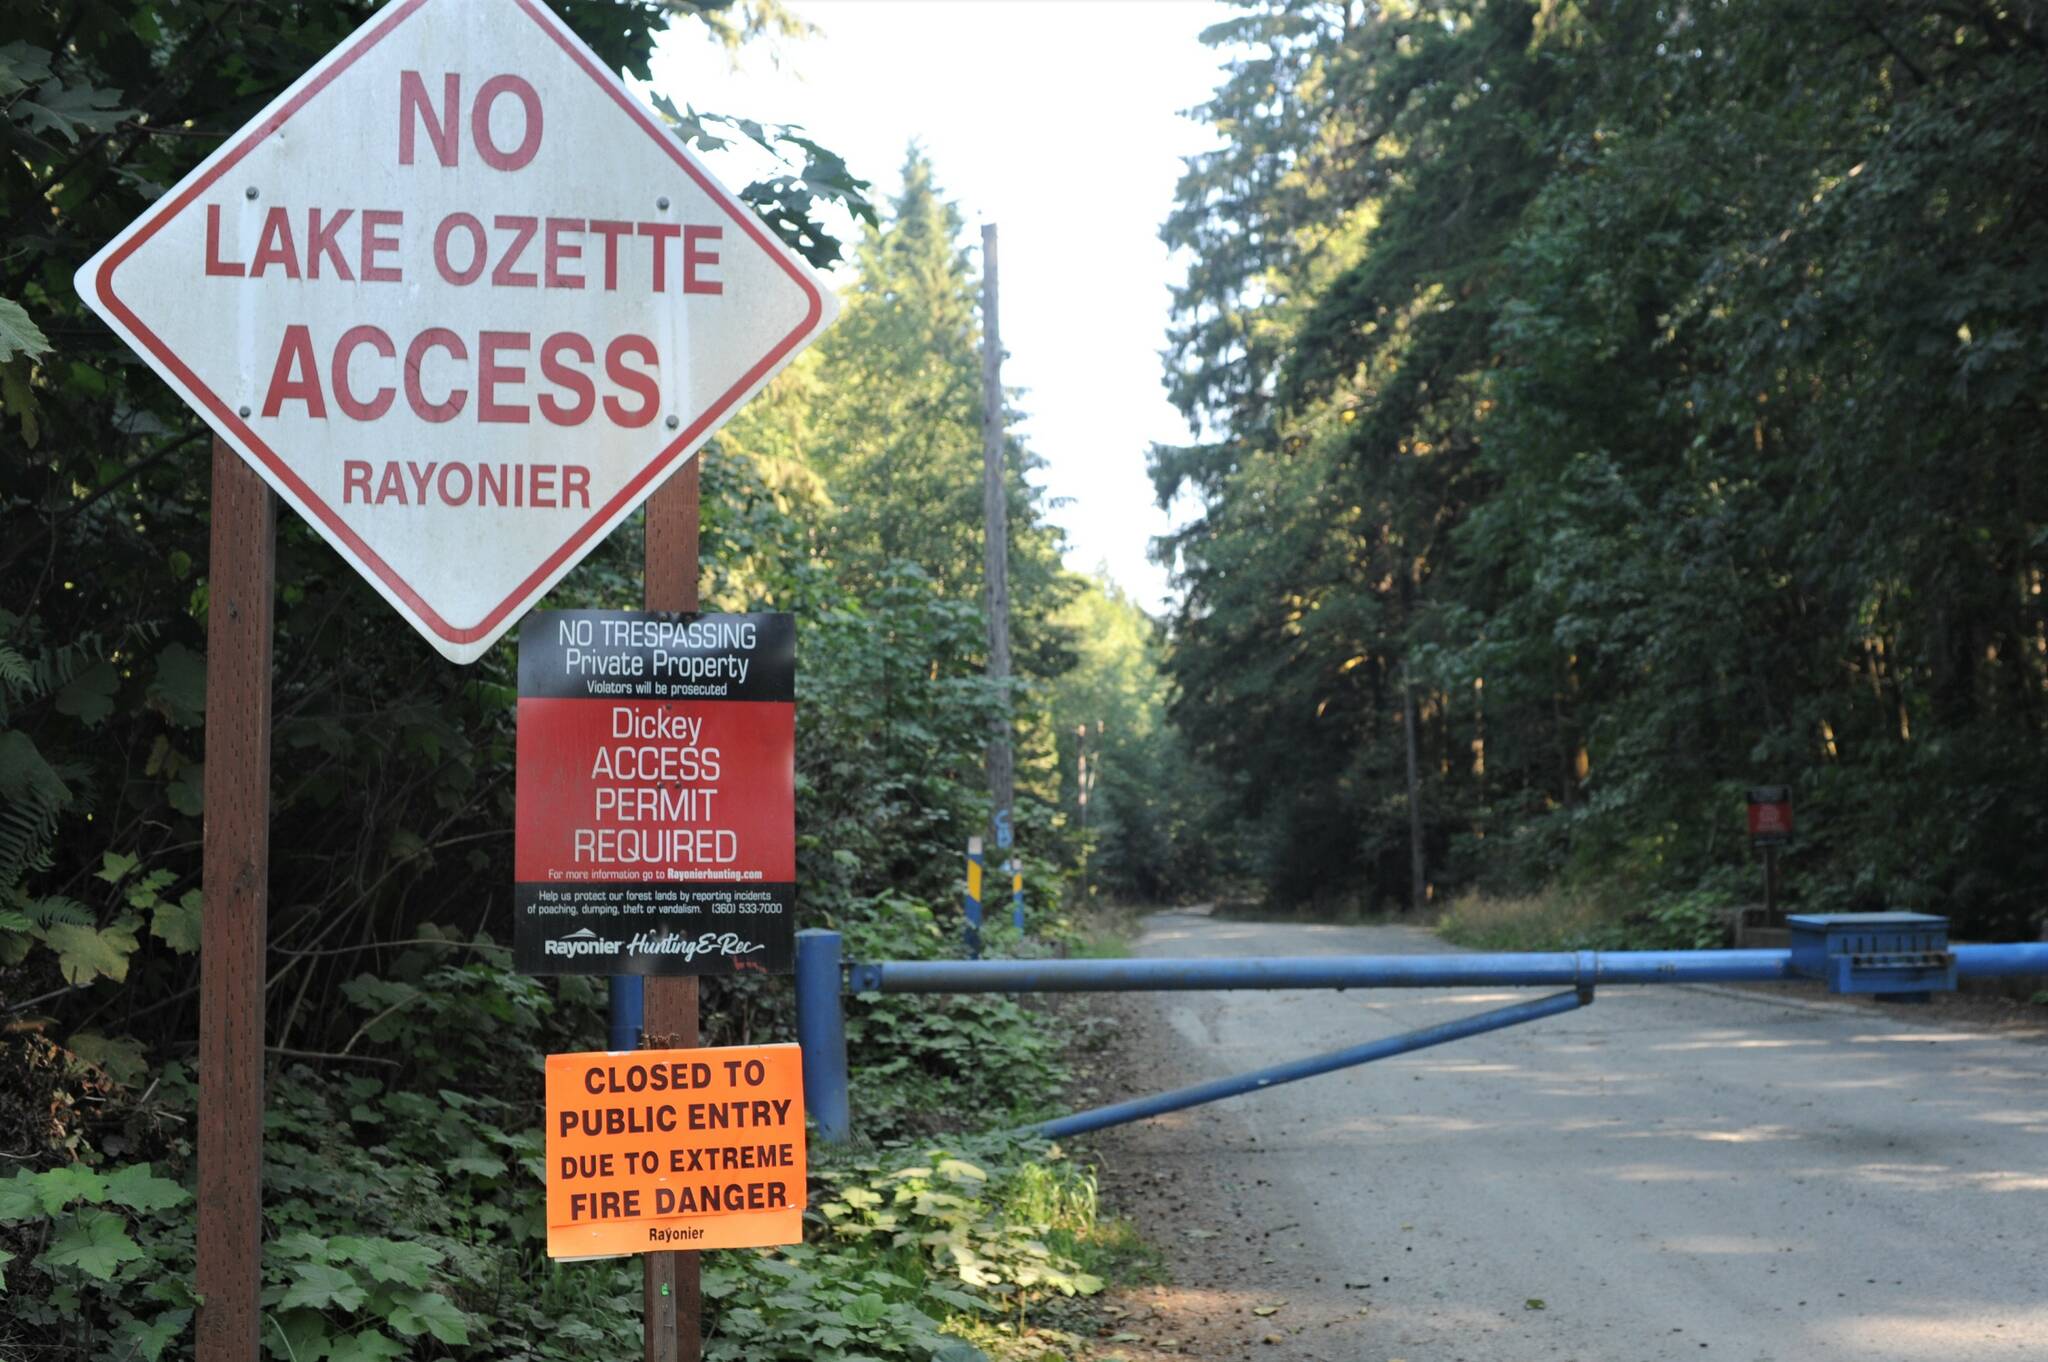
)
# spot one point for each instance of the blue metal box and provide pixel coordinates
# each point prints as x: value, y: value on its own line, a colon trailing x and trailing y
x: 1893, y: 953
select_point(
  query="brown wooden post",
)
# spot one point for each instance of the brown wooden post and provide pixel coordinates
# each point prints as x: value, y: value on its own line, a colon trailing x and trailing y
x: 673, y: 1329
x: 234, y: 927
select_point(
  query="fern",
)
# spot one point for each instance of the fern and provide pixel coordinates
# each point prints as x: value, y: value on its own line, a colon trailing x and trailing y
x: 15, y: 673
x: 30, y: 669
x: 55, y: 910
x: 32, y: 794
x: 55, y: 668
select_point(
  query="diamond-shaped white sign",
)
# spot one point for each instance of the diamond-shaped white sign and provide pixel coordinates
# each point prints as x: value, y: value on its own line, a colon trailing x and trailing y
x: 462, y: 301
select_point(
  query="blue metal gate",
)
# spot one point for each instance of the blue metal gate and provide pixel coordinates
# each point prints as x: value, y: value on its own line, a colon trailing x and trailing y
x: 1904, y: 955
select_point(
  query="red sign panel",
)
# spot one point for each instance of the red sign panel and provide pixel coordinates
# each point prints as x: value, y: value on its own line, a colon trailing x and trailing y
x: 657, y: 793
x: 1770, y: 814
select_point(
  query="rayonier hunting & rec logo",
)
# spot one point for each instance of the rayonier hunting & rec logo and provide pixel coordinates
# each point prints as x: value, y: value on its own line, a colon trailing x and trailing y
x: 587, y: 942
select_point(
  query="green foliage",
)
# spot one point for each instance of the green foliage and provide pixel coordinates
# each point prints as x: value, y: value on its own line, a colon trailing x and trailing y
x: 72, y: 682
x: 19, y: 335
x: 1638, y: 387
x: 896, y: 710
x: 104, y: 1248
x: 910, y: 1246
x: 924, y: 1060
x: 1152, y: 807
x: 925, y: 1055
x: 870, y: 449
x: 406, y: 1216
x: 398, y: 1213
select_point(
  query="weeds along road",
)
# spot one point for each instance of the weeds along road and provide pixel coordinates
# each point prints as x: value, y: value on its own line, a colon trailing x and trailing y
x: 1674, y: 1172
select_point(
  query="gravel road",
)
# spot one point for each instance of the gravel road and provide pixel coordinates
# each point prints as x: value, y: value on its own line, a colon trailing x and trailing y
x: 1670, y: 1173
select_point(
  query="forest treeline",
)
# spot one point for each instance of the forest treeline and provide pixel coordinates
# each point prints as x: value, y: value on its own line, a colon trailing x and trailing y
x: 403, y: 1175
x: 1627, y: 404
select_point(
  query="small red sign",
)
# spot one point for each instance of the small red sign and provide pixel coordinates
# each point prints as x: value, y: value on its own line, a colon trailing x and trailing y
x: 1770, y: 814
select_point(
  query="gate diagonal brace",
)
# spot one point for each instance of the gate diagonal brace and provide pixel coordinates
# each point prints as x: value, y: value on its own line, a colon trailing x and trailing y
x: 1142, y: 1108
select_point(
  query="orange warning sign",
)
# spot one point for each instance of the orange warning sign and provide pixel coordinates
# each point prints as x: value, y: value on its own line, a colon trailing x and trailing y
x: 652, y: 1151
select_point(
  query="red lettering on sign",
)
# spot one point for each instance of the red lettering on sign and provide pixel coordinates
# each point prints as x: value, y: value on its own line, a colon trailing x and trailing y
x: 419, y: 481
x: 694, y: 256
x: 490, y: 373
x: 296, y: 375
x: 522, y: 230
x: 444, y: 131
x: 231, y: 268
x: 541, y: 483
x: 434, y: 337
x: 611, y: 232
x: 561, y: 250
x: 631, y: 380
x: 344, y: 395
x: 496, y: 484
x: 275, y: 246
x: 546, y: 486
x: 631, y: 366
x: 662, y: 233
x: 477, y: 249
x: 321, y: 240
x: 558, y: 251
x: 480, y: 123
x: 574, y: 381
x: 375, y: 243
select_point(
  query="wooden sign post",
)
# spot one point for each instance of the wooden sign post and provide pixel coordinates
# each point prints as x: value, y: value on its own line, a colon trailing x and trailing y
x: 234, y: 927
x: 672, y: 1302
x: 1770, y: 827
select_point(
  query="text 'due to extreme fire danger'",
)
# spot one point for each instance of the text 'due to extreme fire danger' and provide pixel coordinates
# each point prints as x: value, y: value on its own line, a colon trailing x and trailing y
x: 657, y: 793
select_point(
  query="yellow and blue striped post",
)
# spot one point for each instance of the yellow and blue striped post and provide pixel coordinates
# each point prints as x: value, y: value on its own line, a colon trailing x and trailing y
x: 973, y: 904
x: 1017, y: 892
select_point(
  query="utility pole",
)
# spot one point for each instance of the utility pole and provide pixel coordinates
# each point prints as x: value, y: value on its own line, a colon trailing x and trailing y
x: 1418, y: 893
x: 995, y: 507
x: 1081, y: 798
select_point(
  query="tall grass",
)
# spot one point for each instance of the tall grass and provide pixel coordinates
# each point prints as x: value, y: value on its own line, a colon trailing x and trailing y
x: 1561, y: 918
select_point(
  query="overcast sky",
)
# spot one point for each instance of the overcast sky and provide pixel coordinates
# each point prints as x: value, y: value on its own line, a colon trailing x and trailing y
x: 1059, y: 122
